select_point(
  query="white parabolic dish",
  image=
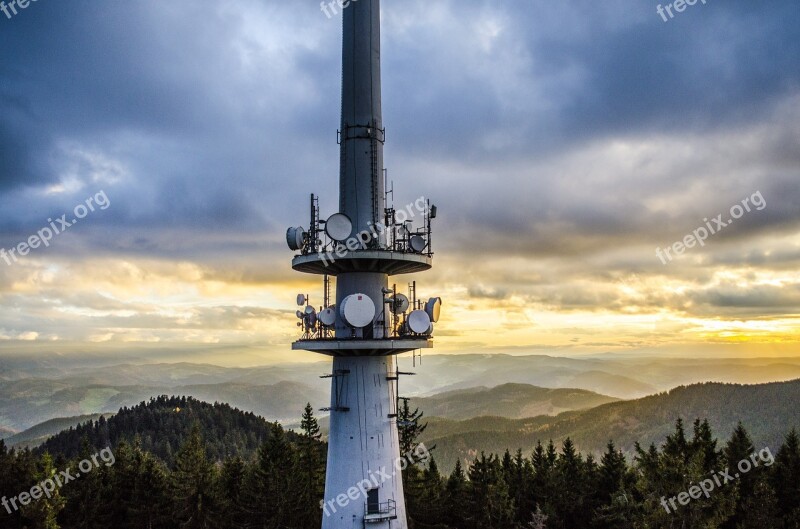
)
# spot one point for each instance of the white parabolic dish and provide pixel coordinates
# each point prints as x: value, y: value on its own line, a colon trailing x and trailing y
x: 358, y: 310
x: 338, y: 227
x: 417, y: 243
x: 419, y: 322
x: 328, y: 316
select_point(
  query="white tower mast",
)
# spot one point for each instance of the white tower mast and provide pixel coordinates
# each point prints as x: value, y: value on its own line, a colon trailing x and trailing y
x: 361, y: 246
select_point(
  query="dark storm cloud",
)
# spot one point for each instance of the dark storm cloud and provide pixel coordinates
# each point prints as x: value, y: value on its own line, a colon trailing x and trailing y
x: 705, y: 69
x: 207, y: 123
x: 590, y: 69
x: 205, y: 141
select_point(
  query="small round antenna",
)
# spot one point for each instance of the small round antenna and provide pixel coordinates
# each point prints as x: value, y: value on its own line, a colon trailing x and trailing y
x: 417, y: 243
x: 296, y: 238
x: 400, y: 304
x: 301, y: 300
x: 310, y: 317
x: 328, y: 316
x: 338, y: 227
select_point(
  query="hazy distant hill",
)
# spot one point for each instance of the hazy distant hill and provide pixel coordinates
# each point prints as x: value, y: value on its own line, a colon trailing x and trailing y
x: 514, y: 401
x: 36, y: 435
x: 767, y: 410
x: 36, y: 390
x: 28, y: 402
x: 607, y: 383
x: 623, y: 377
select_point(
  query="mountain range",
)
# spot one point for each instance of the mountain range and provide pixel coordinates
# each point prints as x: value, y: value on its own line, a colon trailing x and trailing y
x: 766, y: 410
x: 35, y: 390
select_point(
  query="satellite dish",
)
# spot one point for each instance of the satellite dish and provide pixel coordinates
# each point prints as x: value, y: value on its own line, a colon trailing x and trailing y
x: 299, y: 314
x: 433, y: 307
x: 311, y: 317
x: 296, y: 238
x: 301, y: 300
x: 417, y: 243
x: 419, y: 322
x: 328, y: 316
x: 358, y: 310
x: 401, y: 304
x: 338, y: 227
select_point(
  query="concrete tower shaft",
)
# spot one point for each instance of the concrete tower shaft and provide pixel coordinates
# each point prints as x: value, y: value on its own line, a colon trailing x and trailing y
x: 361, y: 136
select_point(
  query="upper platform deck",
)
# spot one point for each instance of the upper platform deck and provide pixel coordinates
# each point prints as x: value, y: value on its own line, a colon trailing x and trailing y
x: 389, y: 262
x: 361, y: 347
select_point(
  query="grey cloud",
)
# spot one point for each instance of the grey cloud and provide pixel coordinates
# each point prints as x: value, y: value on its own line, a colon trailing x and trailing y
x: 211, y: 122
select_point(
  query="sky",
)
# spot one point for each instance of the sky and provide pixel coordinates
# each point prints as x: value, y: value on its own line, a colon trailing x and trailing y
x: 562, y: 142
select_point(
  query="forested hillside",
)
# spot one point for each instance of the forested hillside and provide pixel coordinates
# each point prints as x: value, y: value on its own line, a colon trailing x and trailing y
x: 280, y: 485
x: 764, y: 408
x: 161, y: 425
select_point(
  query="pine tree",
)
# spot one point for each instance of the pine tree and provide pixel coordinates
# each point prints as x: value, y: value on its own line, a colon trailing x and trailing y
x: 704, y: 447
x: 681, y: 466
x: 43, y: 512
x: 310, y: 472
x: 543, y: 463
x: 16, y: 473
x: 786, y: 478
x: 153, y: 506
x: 430, y: 512
x: 571, y: 504
x: 455, y: 498
x: 613, y: 469
x: 83, y: 508
x: 193, y: 485
x: 489, y: 498
x: 520, y: 485
x: 615, y: 492
x: 309, y: 425
x: 414, y: 489
x: 410, y: 428
x: 738, y: 448
x: 760, y: 509
x: 271, y: 489
x: 231, y: 484
x: 676, y: 446
x: 119, y: 511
